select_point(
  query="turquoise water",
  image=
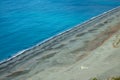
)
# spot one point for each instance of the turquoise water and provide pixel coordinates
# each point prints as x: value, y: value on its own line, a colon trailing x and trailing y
x: 24, y: 23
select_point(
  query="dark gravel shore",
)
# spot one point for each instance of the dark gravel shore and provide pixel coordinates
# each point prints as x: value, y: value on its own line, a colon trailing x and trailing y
x: 87, y: 50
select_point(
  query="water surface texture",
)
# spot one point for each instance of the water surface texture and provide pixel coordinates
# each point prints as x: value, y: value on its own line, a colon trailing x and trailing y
x: 24, y: 23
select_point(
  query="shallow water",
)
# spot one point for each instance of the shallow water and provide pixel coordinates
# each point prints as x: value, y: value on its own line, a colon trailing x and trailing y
x: 24, y: 23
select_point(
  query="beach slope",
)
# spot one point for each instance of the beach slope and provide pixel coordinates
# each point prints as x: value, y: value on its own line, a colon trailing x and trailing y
x: 89, y: 50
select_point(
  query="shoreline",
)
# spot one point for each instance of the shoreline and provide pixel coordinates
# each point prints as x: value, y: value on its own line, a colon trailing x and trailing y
x: 82, y: 50
x: 79, y: 26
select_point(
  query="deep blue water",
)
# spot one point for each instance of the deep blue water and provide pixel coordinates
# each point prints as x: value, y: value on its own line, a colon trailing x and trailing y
x: 24, y: 23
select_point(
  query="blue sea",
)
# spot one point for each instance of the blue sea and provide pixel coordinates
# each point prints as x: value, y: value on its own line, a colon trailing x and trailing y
x: 24, y: 23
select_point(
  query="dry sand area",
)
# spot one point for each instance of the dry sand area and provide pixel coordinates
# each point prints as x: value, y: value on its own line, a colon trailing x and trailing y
x: 90, y: 51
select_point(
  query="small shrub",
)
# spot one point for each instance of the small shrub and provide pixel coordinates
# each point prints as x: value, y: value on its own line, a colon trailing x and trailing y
x: 94, y: 79
x: 115, y: 78
x: 112, y: 78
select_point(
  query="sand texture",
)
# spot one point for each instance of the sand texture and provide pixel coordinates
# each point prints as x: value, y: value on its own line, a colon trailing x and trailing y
x: 89, y: 50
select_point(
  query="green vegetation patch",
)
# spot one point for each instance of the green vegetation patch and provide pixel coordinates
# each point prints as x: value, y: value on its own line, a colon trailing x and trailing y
x: 112, y: 78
